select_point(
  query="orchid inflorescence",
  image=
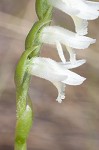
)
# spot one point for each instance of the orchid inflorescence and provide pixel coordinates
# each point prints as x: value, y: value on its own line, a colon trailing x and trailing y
x: 56, y: 72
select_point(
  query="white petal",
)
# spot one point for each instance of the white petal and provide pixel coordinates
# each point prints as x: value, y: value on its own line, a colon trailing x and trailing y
x: 83, y: 42
x: 51, y: 34
x: 73, y: 78
x: 48, y: 69
x: 80, y: 25
x: 91, y: 15
x: 63, y: 7
x: 69, y: 65
x: 81, y: 8
x: 60, y: 52
x: 88, y: 10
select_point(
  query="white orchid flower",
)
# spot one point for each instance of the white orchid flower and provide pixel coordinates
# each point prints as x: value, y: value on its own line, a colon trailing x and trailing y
x: 56, y: 35
x: 79, y: 10
x: 57, y: 73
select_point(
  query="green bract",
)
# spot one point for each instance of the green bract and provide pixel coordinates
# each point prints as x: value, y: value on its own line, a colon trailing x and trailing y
x: 42, y: 7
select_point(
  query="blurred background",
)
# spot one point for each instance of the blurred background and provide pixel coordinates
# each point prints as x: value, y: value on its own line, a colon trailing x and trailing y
x: 72, y: 125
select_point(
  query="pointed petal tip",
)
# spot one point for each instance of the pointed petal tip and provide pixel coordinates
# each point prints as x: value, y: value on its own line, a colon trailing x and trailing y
x: 81, y: 81
x: 74, y: 79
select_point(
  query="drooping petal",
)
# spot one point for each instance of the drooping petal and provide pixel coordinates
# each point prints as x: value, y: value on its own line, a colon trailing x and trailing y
x: 51, y: 34
x: 61, y: 91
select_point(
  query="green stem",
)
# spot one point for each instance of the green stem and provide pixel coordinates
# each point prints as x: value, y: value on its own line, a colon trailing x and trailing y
x: 22, y: 78
x: 19, y: 146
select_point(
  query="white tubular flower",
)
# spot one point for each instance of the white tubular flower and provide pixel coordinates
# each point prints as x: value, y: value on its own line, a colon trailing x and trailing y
x: 57, y: 73
x: 79, y: 10
x: 57, y: 35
